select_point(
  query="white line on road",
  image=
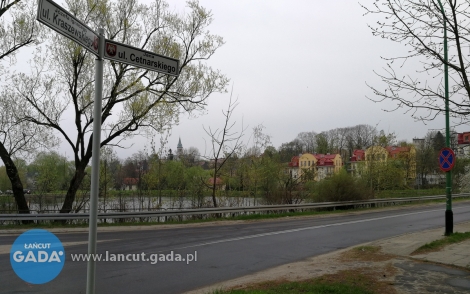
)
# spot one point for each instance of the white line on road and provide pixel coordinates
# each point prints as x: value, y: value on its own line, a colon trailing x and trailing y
x: 307, y: 228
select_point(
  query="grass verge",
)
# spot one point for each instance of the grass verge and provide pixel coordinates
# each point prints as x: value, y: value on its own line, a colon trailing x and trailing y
x: 365, y: 253
x: 441, y: 243
x: 343, y: 282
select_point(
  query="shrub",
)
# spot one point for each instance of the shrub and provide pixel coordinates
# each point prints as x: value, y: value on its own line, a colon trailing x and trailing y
x: 342, y: 187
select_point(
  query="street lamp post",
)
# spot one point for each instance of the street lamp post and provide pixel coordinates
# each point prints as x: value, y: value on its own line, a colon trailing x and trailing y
x: 449, y: 217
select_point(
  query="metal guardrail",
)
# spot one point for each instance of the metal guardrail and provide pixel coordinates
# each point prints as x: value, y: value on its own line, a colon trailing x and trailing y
x: 219, y: 210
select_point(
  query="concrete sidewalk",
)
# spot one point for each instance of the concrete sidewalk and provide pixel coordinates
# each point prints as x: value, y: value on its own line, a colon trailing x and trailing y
x: 456, y: 254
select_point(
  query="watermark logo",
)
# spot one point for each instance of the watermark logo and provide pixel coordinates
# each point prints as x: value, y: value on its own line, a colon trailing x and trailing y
x: 37, y: 256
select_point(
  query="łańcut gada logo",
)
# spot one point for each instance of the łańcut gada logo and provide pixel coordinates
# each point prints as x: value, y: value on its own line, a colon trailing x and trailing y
x: 37, y: 256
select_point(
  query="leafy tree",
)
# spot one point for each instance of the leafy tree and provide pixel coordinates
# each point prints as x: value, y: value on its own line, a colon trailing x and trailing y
x: 190, y: 156
x: 109, y: 169
x: 290, y: 149
x: 50, y: 171
x: 464, y: 180
x: 231, y: 172
x: 385, y: 140
x: 427, y: 158
x: 21, y: 167
x: 135, y: 101
x: 175, y: 175
x: 381, y: 172
x: 195, y: 180
x: 459, y: 171
x: 439, y: 141
x: 322, y: 143
x: 254, y: 160
x: 18, y: 29
x: 271, y: 170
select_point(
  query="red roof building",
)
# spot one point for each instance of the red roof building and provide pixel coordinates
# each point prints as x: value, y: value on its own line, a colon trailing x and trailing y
x: 463, y: 145
x: 130, y: 183
x: 322, y: 165
x: 358, y: 155
x: 394, y: 151
x: 463, y: 138
x: 294, y: 162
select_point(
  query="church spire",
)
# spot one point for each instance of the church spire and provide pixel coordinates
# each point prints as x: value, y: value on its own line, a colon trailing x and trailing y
x: 179, y: 148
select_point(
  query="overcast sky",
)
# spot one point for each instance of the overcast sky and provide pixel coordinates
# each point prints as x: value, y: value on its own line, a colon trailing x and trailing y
x: 295, y: 66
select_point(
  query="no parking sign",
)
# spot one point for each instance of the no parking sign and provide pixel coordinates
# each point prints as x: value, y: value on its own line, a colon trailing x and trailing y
x: 446, y: 159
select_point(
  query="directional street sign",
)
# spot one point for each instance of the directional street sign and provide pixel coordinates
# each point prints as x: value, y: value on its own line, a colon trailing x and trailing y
x: 60, y: 20
x: 446, y: 159
x: 140, y: 58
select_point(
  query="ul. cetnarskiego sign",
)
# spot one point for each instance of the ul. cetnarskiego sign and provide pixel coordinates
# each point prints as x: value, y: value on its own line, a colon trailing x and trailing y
x: 140, y: 58
x: 61, y: 21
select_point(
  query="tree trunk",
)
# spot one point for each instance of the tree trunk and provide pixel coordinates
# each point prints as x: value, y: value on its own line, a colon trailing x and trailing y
x: 16, y: 184
x: 214, y: 199
x: 73, y: 187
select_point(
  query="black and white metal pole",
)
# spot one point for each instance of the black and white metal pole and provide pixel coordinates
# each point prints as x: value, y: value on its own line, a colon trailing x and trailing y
x: 95, y: 165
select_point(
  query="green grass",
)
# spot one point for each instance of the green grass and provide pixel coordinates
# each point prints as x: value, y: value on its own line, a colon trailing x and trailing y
x: 358, y: 284
x: 305, y: 287
x: 441, y: 243
x: 410, y: 193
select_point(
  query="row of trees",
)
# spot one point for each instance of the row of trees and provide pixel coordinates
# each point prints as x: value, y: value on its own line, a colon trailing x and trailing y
x: 339, y: 140
x: 50, y: 171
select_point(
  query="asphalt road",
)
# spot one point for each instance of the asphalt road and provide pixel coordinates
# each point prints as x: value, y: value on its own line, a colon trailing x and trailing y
x: 223, y: 251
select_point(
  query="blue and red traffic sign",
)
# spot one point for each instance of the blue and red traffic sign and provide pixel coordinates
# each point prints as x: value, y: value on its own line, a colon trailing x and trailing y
x: 446, y: 159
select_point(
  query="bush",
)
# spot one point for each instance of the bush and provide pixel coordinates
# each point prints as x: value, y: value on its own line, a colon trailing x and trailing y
x: 342, y: 187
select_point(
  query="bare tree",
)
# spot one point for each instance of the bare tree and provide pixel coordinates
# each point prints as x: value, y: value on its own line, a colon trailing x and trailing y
x: 224, y: 143
x: 308, y: 140
x: 419, y: 26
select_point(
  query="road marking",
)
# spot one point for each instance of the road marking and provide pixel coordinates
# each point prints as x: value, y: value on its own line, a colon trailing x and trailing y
x: 306, y: 228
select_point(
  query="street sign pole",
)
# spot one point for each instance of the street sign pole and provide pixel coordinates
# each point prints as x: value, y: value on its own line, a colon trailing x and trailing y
x: 95, y: 165
x: 60, y: 20
x: 449, y: 216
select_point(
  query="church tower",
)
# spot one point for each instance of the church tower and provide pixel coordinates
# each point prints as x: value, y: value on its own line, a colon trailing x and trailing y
x: 179, y: 148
